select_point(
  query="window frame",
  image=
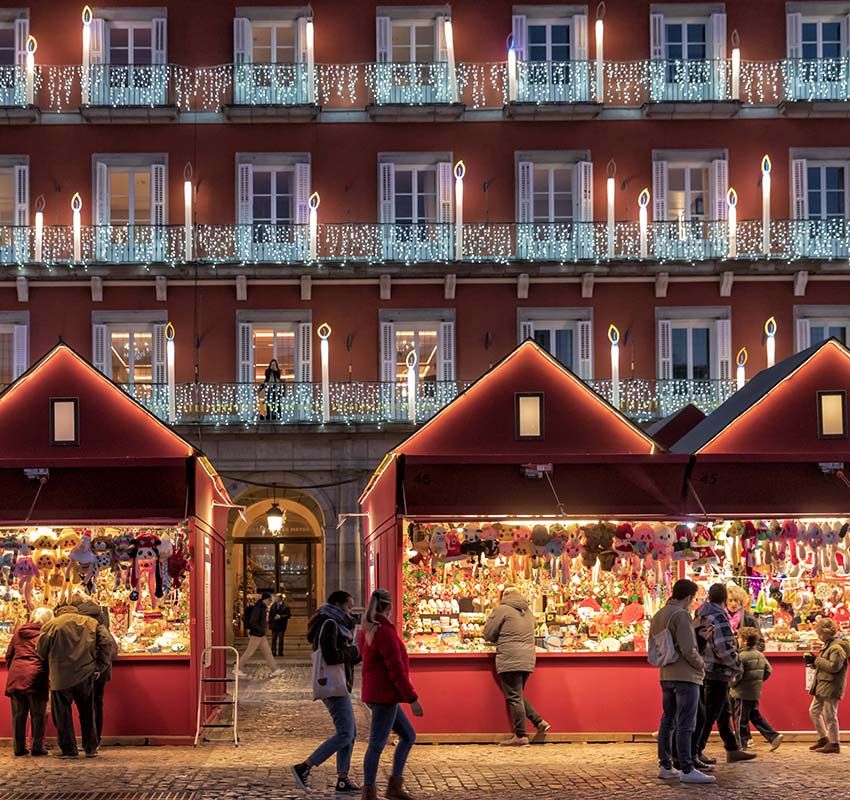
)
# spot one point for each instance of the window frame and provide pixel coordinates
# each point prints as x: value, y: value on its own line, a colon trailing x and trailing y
x: 820, y: 20
x: 131, y: 26
x: 831, y: 393
x: 830, y: 322
x: 76, y: 404
x: 276, y: 326
x: 690, y: 325
x: 518, y: 396
x: 550, y: 168
x: 416, y: 170
x: 132, y: 328
x: 274, y: 196
x: 553, y: 325
x: 683, y: 22
x: 823, y: 165
x: 689, y: 166
x: 131, y: 170
x: 410, y: 24
x: 549, y: 23
x: 273, y: 25
x: 417, y: 326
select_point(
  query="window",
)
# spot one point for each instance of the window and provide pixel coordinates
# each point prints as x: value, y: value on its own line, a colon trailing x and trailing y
x: 131, y: 43
x: 687, y: 193
x: 827, y: 190
x: 548, y: 40
x: 685, y: 41
x: 273, y: 43
x: 131, y: 354
x: 7, y: 197
x: 415, y: 195
x: 822, y: 329
x: 832, y: 415
x: 64, y: 421
x: 422, y: 339
x: 815, y: 324
x: 274, y: 342
x: 691, y: 351
x: 553, y: 193
x: 14, y: 207
x: 282, y: 336
x: 564, y: 333
x: 14, y: 354
x: 694, y: 344
x: 413, y: 42
x: 529, y: 415
x: 7, y: 44
x: 273, y: 201
x: 556, y: 338
x: 821, y: 39
x: 429, y: 335
x: 130, y: 196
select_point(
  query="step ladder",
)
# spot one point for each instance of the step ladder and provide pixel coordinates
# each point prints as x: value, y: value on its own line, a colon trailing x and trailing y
x: 207, y: 701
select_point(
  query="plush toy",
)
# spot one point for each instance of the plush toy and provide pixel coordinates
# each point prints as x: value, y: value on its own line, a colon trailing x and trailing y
x: 178, y: 566
x: 490, y: 541
x: 705, y: 544
x: 471, y: 544
x: 146, y: 565
x: 540, y: 538
x: 68, y: 539
x: 82, y: 569
x: 788, y: 547
x: 815, y: 541
x: 831, y: 540
x: 45, y: 562
x: 598, y: 546
x: 749, y: 542
x: 122, y: 559
x: 439, y: 543
x: 102, y: 548
x: 683, y: 546
x: 44, y: 539
x: 624, y: 548
x: 24, y: 571
x: 523, y: 546
x: 643, y: 544
x: 844, y: 547
x: 57, y: 578
x: 453, y: 552
x: 663, y: 548
x: 734, y: 534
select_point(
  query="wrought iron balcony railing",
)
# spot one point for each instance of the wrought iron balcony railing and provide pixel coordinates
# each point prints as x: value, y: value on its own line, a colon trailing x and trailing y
x: 118, y: 85
x: 271, y: 84
x: 13, y: 87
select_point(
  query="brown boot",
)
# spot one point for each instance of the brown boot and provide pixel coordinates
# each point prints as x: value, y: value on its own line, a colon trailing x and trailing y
x: 832, y: 747
x: 823, y: 742
x: 369, y: 793
x: 396, y: 790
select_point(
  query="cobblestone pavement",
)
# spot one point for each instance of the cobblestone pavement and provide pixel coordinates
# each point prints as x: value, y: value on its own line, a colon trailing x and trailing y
x: 281, y: 725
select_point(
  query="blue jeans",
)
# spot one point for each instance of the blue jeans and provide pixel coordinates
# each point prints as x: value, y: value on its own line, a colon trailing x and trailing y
x: 342, y: 742
x: 679, y: 700
x: 386, y: 718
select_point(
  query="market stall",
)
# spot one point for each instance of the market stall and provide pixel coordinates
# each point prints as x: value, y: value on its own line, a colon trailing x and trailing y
x: 101, y: 499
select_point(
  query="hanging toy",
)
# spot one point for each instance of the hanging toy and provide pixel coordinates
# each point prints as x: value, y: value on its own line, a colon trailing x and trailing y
x: 166, y: 550
x: 663, y: 538
x: 439, y: 544
x: 146, y: 566
x: 540, y: 538
x: 643, y: 543
x: 705, y: 544
x: 831, y: 538
x: 624, y: 548
x: 101, y: 546
x: 178, y: 566
x: 815, y: 540
x: 122, y: 559
x: 788, y: 551
x: 82, y: 569
x: 24, y: 571
x: 490, y: 541
x: 683, y: 546
x: 734, y: 534
x: 749, y: 540
x: 572, y: 550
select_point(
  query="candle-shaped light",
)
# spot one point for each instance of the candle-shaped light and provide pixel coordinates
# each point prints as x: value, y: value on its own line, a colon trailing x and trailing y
x: 76, y: 208
x: 512, y: 68
x: 741, y: 372
x: 600, y: 62
x: 311, y: 61
x: 39, y: 229
x: 765, y: 205
x: 32, y: 46
x: 87, y: 20
x: 614, y: 338
x: 313, y: 202
x: 448, y: 33
x: 460, y: 171
x: 611, y: 189
x: 187, y: 210
x: 324, y: 333
x: 736, y: 66
x: 411, y: 386
x: 169, y: 373
x: 643, y: 203
x: 770, y: 340
x: 732, y: 221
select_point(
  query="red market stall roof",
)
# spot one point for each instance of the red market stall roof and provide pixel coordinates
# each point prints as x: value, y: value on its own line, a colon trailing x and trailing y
x: 469, y: 460
x: 125, y: 465
x: 671, y: 429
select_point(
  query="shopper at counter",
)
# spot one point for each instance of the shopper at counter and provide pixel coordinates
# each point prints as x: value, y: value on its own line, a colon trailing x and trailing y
x: 830, y: 681
x: 747, y: 688
x: 89, y: 608
x: 510, y: 627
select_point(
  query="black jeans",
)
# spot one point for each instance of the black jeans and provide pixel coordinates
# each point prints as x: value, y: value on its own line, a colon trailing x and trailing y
x: 277, y: 641
x: 34, y: 705
x: 97, y: 700
x: 717, y: 709
x: 513, y: 687
x: 61, y: 701
x: 697, y: 732
x: 747, y: 711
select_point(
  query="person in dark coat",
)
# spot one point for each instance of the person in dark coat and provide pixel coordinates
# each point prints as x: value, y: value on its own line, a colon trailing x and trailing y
x: 27, y: 684
x: 89, y: 608
x: 257, y: 625
x: 279, y: 615
x: 272, y: 390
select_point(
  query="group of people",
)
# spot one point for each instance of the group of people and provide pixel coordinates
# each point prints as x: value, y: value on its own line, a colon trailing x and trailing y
x: 67, y: 656
x: 712, y: 671
x: 266, y: 615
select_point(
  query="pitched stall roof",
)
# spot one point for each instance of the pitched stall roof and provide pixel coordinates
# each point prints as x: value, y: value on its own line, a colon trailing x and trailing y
x: 670, y: 429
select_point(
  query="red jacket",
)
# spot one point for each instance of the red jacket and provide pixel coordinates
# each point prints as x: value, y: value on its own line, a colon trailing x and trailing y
x: 386, y: 673
x: 27, y: 672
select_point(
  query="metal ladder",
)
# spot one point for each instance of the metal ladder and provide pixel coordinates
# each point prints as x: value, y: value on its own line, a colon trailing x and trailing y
x: 205, y: 700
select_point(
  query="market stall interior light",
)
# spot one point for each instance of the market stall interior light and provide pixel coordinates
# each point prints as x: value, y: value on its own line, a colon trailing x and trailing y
x: 832, y: 415
x: 529, y: 415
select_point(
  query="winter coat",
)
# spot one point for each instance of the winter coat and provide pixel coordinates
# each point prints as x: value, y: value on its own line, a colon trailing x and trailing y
x: 511, y: 627
x: 279, y: 615
x: 27, y: 671
x: 89, y: 608
x: 386, y: 670
x: 333, y: 630
x: 721, y: 650
x: 831, y: 666
x: 748, y: 685
x: 258, y: 619
x: 75, y: 647
x: 689, y: 666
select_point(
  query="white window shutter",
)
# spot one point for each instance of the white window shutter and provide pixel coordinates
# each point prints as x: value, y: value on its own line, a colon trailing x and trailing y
x: 159, y: 185
x: 386, y: 191
x: 718, y: 37
x: 245, y: 349
x: 445, y: 192
x: 526, y: 330
x: 720, y: 186
x: 159, y: 54
x: 845, y: 35
x: 723, y: 346
x: 159, y: 371
x: 388, y: 352
x: 302, y: 193
x: 579, y: 40
x: 100, y: 349
x: 659, y: 191
x: 301, y: 38
x: 101, y: 200
x: 525, y: 178
x: 584, y: 191
x: 657, y: 49
x: 447, y: 351
x: 441, y: 47
x: 245, y: 191
x: 519, y: 30
x: 22, y: 32
x: 799, y: 189
x: 20, y: 351
x: 97, y: 44
x: 804, y: 336
x: 22, y: 194
x: 383, y: 40
x: 665, y: 349
x: 584, y: 362
x: 242, y: 51
x: 794, y: 35
x: 304, y: 373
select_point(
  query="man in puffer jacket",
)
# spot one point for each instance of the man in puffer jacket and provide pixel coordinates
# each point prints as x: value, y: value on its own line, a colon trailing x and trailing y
x: 829, y: 685
x: 511, y: 627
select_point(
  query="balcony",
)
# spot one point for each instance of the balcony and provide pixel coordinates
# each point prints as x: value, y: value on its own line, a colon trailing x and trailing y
x: 15, y: 104
x: 815, y: 86
x: 276, y: 91
x: 128, y: 92
x: 411, y: 90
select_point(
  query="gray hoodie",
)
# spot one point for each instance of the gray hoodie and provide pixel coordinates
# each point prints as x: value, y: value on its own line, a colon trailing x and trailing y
x: 511, y: 627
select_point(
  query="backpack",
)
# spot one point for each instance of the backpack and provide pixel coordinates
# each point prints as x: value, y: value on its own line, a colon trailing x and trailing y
x: 662, y: 651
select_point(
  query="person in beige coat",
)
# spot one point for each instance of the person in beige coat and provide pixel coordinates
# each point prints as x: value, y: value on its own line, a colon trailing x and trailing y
x: 829, y: 685
x: 511, y: 627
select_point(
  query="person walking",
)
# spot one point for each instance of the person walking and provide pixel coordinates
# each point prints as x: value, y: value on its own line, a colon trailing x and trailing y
x: 331, y: 630
x: 272, y: 390
x: 746, y: 689
x: 681, y: 683
x: 386, y: 685
x: 257, y: 625
x: 26, y: 684
x: 77, y: 650
x: 722, y: 665
x: 510, y: 627
x: 830, y: 680
x: 279, y: 615
x: 89, y: 608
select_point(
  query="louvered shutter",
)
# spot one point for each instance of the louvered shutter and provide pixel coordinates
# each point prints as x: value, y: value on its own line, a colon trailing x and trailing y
x: 242, y: 51
x: 20, y: 351
x: 159, y: 54
x: 665, y: 349
x: 794, y: 35
x: 441, y: 48
x: 305, y: 353
x: 659, y: 191
x: 159, y: 185
x: 719, y: 188
x: 447, y: 351
x: 99, y: 349
x: 445, y: 192
x: 519, y: 30
x: 584, y: 191
x: 97, y: 42
x: 22, y: 194
x: 101, y: 200
x: 386, y: 189
x: 159, y: 367
x: 723, y: 346
x: 302, y: 193
x: 245, y: 349
x: 657, y: 37
x: 525, y: 177
x: 584, y: 362
x: 717, y: 26
x: 804, y: 336
x: 388, y: 352
x: 383, y: 40
x: 301, y: 38
x: 526, y: 330
x: 799, y: 189
x: 845, y: 35
x: 579, y: 38
x: 22, y: 32
x: 245, y: 190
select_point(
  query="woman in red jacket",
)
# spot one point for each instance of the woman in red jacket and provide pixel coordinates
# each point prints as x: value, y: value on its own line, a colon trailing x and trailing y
x: 386, y: 684
x: 26, y: 684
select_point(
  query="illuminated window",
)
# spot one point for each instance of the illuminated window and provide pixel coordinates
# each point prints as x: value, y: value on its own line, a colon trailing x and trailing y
x: 274, y: 342
x: 832, y: 415
x: 529, y: 415
x: 64, y: 421
x: 413, y: 42
x: 422, y: 338
x: 273, y: 43
x: 687, y: 194
x: 130, y: 196
x: 552, y: 199
x: 131, y: 354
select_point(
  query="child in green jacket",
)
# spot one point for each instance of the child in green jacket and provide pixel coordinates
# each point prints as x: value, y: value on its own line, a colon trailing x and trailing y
x: 747, y: 687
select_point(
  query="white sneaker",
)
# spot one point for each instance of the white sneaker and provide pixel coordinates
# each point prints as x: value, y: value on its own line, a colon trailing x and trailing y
x: 666, y: 774
x: 277, y: 672
x: 695, y: 776
x: 242, y: 674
